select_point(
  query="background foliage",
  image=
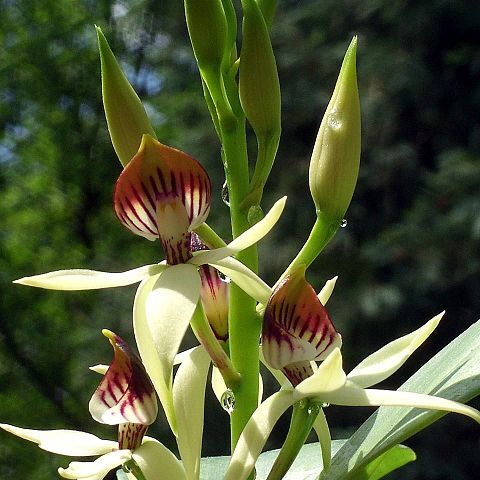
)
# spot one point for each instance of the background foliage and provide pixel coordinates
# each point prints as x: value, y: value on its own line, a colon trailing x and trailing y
x: 411, y: 247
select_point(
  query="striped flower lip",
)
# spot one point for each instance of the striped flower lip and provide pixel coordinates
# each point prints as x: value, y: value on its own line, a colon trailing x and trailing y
x: 163, y: 193
x: 125, y: 395
x: 297, y: 328
x: 214, y: 293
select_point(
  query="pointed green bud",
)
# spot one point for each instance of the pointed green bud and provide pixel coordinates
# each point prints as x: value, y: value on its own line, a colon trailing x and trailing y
x: 259, y: 87
x: 336, y: 154
x: 268, y: 8
x: 126, y: 117
x: 207, y: 27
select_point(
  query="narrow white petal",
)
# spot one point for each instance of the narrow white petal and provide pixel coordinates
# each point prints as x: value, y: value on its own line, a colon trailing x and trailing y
x: 156, y: 461
x: 329, y: 377
x: 279, y: 376
x: 98, y: 469
x: 352, y: 394
x: 326, y: 291
x: 243, y: 241
x: 180, y: 357
x: 64, y: 442
x: 247, y: 280
x: 81, y: 279
x: 323, y: 433
x: 100, y: 368
x: 256, y: 433
x: 162, y: 311
x: 188, y: 401
x: 386, y: 361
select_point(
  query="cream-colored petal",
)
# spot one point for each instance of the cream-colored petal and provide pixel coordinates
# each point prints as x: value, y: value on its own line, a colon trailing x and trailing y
x: 243, y: 241
x: 353, y: 395
x: 247, y: 280
x: 256, y: 433
x: 156, y: 461
x: 180, y: 357
x: 98, y: 469
x: 326, y: 291
x: 188, y: 401
x: 323, y: 433
x: 81, y: 279
x: 64, y: 442
x: 161, y: 314
x: 329, y: 377
x: 386, y: 361
x: 100, y: 368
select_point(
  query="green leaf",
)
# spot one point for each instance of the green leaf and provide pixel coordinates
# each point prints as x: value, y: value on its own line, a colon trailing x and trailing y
x: 387, y: 462
x: 308, y: 464
x: 454, y: 373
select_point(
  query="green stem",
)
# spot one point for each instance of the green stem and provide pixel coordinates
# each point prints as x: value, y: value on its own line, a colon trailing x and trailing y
x: 132, y: 467
x: 322, y: 232
x: 202, y: 330
x: 303, y: 417
x: 244, y: 327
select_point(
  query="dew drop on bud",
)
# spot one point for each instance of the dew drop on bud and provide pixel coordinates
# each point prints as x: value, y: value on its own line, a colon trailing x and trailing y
x: 325, y: 405
x: 228, y: 401
x: 334, y: 121
x: 223, y: 277
x: 225, y: 197
x: 343, y: 223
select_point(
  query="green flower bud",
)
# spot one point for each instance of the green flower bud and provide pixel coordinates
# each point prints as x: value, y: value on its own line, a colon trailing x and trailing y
x: 126, y: 117
x: 259, y: 87
x: 336, y: 154
x: 268, y: 8
x: 207, y: 27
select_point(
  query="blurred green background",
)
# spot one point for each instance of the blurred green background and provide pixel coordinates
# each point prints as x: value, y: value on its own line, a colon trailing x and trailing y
x: 410, y: 249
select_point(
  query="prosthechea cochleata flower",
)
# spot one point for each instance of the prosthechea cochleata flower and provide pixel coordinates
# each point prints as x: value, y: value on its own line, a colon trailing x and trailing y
x: 327, y: 384
x: 164, y: 194
x: 125, y: 397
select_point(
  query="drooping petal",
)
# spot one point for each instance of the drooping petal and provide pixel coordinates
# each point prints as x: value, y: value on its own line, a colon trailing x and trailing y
x: 323, y: 433
x: 163, y: 308
x: 329, y: 377
x: 161, y: 193
x: 64, y: 442
x: 188, y: 400
x: 155, y: 459
x: 386, y: 361
x: 98, y: 469
x: 327, y: 290
x: 247, y: 280
x: 352, y: 394
x: 245, y: 240
x: 81, y: 279
x: 126, y: 393
x: 296, y: 327
x: 256, y: 433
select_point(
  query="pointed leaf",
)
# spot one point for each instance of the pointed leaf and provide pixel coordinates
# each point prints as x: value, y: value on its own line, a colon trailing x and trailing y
x: 80, y: 279
x: 386, y: 361
x: 387, y: 462
x: 188, y: 400
x: 245, y: 240
x: 64, y: 442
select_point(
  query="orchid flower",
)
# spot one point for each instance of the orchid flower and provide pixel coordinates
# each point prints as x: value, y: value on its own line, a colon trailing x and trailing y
x: 328, y: 384
x: 165, y: 194
x: 125, y: 397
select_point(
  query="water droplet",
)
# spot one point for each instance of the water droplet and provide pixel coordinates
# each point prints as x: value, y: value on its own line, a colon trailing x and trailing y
x: 343, y: 223
x: 223, y: 277
x: 225, y: 196
x: 334, y: 121
x: 228, y: 401
x: 325, y: 405
x: 313, y: 409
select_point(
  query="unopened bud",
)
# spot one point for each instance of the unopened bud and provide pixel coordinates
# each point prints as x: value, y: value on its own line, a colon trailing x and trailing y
x: 126, y: 117
x: 336, y: 155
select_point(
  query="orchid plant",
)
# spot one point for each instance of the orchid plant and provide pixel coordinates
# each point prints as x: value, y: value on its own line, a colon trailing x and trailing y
x: 163, y: 194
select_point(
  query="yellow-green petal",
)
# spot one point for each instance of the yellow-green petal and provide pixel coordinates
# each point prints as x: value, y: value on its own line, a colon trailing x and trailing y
x: 327, y: 290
